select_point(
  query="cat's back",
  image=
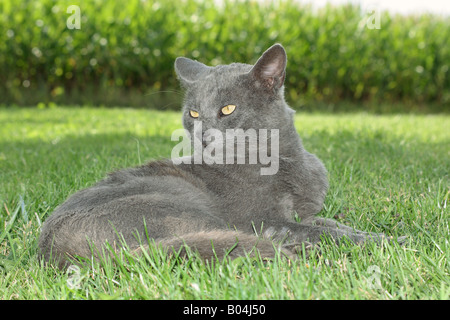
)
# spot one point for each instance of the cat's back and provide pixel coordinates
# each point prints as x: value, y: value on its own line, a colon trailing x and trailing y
x: 155, y: 178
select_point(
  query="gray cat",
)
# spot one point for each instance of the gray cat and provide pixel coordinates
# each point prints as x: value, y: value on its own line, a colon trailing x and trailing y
x: 216, y: 209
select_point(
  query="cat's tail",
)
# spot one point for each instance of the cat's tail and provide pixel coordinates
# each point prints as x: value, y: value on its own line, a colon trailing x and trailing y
x: 210, y: 245
x: 219, y: 244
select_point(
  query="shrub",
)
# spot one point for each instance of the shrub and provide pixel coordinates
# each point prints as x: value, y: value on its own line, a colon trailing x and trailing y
x: 130, y: 46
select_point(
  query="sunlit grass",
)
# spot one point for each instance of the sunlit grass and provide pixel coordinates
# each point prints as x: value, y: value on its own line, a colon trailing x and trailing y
x: 387, y: 174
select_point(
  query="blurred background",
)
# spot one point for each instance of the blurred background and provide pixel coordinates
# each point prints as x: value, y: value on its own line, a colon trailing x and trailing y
x: 380, y: 56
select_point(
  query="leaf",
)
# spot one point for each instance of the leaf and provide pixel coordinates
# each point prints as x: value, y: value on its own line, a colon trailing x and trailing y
x: 24, y: 211
x: 9, y: 224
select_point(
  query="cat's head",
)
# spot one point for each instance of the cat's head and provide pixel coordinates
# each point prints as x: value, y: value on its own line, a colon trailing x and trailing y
x: 236, y: 95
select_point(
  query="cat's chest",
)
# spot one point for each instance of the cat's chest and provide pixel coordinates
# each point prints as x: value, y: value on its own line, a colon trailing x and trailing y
x: 245, y: 197
x: 241, y: 193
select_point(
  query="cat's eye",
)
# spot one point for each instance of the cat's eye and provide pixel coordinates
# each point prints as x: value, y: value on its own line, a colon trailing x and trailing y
x: 194, y: 114
x: 229, y: 109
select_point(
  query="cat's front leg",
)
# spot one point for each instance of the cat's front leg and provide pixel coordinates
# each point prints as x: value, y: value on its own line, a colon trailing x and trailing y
x: 292, y: 233
x: 333, y: 224
x: 364, y: 235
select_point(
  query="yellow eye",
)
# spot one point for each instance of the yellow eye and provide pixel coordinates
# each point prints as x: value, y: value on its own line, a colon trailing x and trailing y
x: 229, y: 109
x: 194, y: 114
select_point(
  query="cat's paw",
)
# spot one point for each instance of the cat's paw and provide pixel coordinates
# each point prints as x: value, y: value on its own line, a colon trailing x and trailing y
x: 297, y: 249
x: 403, y: 240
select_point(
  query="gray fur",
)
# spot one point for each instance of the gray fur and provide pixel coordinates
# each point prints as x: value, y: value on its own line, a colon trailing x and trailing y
x: 230, y: 207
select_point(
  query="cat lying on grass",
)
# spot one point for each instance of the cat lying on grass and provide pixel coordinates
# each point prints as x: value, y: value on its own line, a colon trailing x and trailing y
x: 217, y: 208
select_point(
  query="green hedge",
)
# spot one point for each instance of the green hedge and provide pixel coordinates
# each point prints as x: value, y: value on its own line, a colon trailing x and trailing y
x: 130, y: 46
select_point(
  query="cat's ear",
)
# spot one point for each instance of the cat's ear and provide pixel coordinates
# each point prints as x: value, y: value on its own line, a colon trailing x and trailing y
x: 270, y: 69
x: 189, y: 71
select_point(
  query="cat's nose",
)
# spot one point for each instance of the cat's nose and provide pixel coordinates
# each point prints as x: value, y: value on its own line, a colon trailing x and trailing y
x: 205, y: 139
x: 198, y: 136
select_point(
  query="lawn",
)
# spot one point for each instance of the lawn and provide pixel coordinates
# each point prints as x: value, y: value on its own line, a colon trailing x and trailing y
x: 387, y: 174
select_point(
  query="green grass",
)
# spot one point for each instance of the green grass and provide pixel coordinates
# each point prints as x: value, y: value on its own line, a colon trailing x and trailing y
x: 387, y: 174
